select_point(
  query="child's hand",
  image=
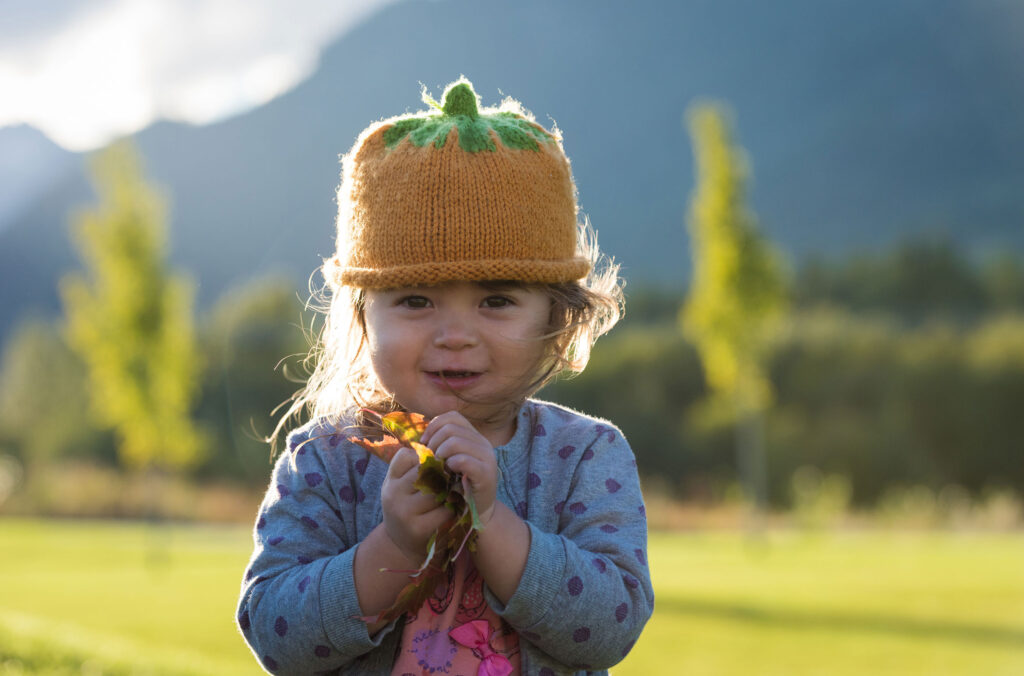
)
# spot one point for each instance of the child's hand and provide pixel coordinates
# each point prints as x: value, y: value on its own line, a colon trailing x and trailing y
x: 410, y: 517
x: 465, y: 451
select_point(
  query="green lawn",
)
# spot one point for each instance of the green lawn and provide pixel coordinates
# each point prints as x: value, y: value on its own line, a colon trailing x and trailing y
x: 107, y: 598
x: 863, y: 603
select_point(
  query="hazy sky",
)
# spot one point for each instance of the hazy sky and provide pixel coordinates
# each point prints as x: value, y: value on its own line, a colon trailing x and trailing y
x: 86, y: 71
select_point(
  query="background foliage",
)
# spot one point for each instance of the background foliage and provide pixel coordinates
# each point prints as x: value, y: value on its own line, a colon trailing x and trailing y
x: 129, y: 318
x: 892, y: 388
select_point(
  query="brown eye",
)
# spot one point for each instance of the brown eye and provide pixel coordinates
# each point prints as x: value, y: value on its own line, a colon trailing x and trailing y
x: 416, y: 302
x: 497, y: 301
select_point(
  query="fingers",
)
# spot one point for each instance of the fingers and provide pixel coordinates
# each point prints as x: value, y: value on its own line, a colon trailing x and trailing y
x: 401, y: 498
x: 449, y: 442
x: 465, y: 452
x: 416, y: 503
x: 459, y: 445
x: 404, y: 461
x: 411, y: 532
x: 410, y: 517
x: 455, y: 442
x: 399, y: 485
x: 445, y: 421
x: 461, y: 456
x: 450, y: 433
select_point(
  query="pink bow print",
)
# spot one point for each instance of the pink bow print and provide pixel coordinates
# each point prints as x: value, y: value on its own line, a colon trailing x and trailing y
x: 476, y: 635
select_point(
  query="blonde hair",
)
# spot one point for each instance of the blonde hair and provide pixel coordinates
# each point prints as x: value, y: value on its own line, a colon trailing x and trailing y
x: 341, y: 377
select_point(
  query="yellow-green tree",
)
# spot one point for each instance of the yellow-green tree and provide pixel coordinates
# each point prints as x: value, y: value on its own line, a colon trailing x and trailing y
x: 130, y: 318
x: 738, y: 290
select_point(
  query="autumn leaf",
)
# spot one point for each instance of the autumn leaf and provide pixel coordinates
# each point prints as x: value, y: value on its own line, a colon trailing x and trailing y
x: 448, y: 489
x: 384, y: 449
x: 407, y: 427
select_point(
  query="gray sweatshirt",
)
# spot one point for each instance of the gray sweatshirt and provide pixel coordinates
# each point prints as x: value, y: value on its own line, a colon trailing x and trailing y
x: 584, y: 596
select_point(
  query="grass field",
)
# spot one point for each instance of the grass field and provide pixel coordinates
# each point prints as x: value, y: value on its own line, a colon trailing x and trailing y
x: 106, y: 598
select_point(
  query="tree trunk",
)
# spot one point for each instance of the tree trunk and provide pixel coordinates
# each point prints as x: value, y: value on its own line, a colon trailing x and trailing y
x: 752, y: 467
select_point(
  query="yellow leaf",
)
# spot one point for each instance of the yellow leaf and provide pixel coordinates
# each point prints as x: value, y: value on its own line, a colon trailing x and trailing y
x: 407, y: 427
x: 422, y: 451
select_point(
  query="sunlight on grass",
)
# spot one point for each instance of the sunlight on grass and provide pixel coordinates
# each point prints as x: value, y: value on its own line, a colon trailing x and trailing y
x: 116, y: 598
x: 880, y: 603
x: 137, y: 595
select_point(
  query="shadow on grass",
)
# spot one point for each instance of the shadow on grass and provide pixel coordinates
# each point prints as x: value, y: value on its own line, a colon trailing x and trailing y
x: 844, y: 622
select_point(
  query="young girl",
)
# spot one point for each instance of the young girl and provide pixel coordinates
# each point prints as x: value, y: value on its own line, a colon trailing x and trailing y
x: 461, y: 284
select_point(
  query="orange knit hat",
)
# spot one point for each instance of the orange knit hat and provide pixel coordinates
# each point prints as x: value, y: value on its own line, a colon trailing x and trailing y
x: 456, y: 194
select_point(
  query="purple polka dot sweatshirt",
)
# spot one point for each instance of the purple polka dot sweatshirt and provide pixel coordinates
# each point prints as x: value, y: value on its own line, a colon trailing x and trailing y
x: 585, y: 594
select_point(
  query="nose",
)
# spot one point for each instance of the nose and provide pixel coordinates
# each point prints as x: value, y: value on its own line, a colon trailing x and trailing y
x: 454, y: 331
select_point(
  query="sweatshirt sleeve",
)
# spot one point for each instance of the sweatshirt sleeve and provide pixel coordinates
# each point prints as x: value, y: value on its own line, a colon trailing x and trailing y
x: 586, y: 593
x: 298, y: 609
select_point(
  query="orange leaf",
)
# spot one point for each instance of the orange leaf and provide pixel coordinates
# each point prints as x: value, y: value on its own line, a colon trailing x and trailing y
x: 408, y: 427
x: 384, y: 449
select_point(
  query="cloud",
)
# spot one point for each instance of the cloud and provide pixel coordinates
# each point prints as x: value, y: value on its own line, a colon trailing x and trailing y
x: 87, y: 71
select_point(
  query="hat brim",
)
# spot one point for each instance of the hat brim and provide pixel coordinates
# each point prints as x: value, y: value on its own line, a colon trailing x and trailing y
x: 529, y: 271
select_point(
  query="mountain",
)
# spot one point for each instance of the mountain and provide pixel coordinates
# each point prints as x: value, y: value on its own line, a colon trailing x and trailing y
x: 29, y: 163
x: 864, y: 120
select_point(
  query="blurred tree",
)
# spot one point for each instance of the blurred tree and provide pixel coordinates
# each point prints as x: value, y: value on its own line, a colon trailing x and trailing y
x: 841, y: 404
x: 922, y: 278
x: 250, y: 330
x: 884, y: 405
x: 931, y: 276
x: 646, y: 305
x: 44, y: 400
x: 1003, y: 280
x: 738, y: 292
x: 130, y: 319
x: 644, y: 378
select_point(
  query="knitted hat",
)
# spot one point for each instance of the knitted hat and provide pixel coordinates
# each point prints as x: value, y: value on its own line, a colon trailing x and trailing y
x: 456, y: 194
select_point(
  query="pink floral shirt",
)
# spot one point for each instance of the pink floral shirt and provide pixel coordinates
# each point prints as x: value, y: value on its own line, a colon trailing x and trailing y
x: 456, y: 633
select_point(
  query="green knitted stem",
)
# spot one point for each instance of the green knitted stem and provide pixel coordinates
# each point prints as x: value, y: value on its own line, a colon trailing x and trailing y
x: 460, y: 99
x: 460, y: 110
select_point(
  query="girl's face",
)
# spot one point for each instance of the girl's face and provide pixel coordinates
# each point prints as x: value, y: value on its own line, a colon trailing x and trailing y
x: 462, y: 346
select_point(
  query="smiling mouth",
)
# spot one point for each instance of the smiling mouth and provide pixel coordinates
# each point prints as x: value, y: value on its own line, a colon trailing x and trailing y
x: 453, y: 379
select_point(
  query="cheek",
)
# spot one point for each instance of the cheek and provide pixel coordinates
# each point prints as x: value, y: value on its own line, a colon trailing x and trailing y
x: 385, y: 349
x: 534, y: 325
x: 394, y: 352
x: 533, y: 332
x: 377, y: 346
x: 525, y: 348
x: 379, y: 329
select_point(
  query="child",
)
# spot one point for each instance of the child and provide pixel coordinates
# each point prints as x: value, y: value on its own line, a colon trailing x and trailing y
x: 462, y: 283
